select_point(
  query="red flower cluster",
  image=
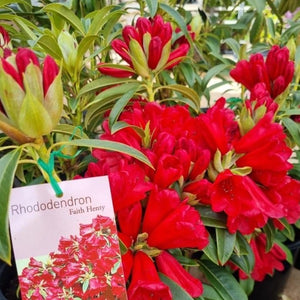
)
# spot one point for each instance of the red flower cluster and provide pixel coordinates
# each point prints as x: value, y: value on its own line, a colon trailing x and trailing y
x: 147, y: 47
x: 203, y: 160
x: 276, y: 73
x: 75, y: 270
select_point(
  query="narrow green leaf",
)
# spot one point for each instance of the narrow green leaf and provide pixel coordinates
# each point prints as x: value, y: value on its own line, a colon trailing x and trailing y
x: 102, y: 82
x: 259, y: 5
x: 188, y: 73
x: 256, y: 28
x: 178, y: 293
x: 269, y: 230
x: 185, y: 91
x: 177, y: 18
x: 211, y: 218
x: 211, y: 250
x: 8, y: 166
x: 120, y: 125
x: 119, y: 106
x: 225, y: 244
x: 288, y: 230
x: 7, y: 2
x: 242, y: 246
x: 152, y: 5
x: 111, y: 146
x: 114, y: 92
x: 214, y: 71
x: 223, y: 281
x: 209, y: 293
x: 234, y: 46
x: 84, y: 45
x: 293, y: 128
x: 247, y: 285
x: 50, y: 45
x: 70, y: 130
x: 66, y: 14
x: 289, y: 255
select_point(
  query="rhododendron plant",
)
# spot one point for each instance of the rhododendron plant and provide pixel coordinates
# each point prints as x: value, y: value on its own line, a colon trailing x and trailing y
x: 205, y: 183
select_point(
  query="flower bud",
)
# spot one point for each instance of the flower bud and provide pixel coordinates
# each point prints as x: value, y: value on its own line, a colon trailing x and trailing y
x: 32, y: 98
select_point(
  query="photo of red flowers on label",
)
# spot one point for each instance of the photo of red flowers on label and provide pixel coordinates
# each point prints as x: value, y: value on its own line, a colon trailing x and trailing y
x: 75, y: 271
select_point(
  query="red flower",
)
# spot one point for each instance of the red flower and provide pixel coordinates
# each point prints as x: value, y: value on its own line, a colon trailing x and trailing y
x: 266, y: 262
x: 265, y: 151
x: 276, y: 73
x: 146, y: 47
x: 218, y: 128
x: 182, y: 227
x: 245, y: 204
x: 169, y: 266
x: 145, y: 283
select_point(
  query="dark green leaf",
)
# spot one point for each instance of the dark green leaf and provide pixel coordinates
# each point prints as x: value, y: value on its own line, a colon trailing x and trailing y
x: 234, y: 46
x: 209, y: 293
x: 214, y: 71
x: 211, y: 218
x: 152, y: 5
x: 185, y: 91
x: 66, y: 14
x: 50, y: 45
x: 211, y: 250
x: 293, y: 128
x: 188, y: 72
x: 177, y: 18
x: 223, y: 281
x: 111, y: 146
x: 119, y: 106
x: 102, y: 82
x: 288, y: 230
x: 225, y: 244
x: 256, y: 28
x: 8, y: 166
x: 269, y: 230
x: 259, y: 5
x: 247, y: 285
x: 178, y: 293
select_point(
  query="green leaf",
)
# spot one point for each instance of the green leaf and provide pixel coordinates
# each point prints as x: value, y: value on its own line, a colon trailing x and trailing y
x: 70, y: 130
x: 269, y: 230
x: 178, y: 293
x: 242, y: 246
x: 256, y: 28
x: 288, y: 230
x: 66, y: 14
x: 85, y: 285
x: 223, y: 281
x: 115, y: 92
x: 211, y: 218
x: 214, y: 71
x: 98, y: 20
x: 111, y: 146
x: 102, y: 82
x: 185, y: 91
x: 259, y: 5
x: 225, y: 244
x: 177, y: 18
x: 152, y: 5
x: 188, y: 73
x: 50, y: 45
x: 209, y: 293
x: 7, y: 2
x: 120, y: 125
x: 234, y: 46
x: 84, y: 45
x: 293, y: 128
x: 289, y: 255
x: 247, y: 285
x: 119, y: 106
x: 211, y: 250
x: 8, y: 166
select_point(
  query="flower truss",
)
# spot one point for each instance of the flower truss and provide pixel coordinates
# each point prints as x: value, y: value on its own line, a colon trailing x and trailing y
x: 84, y: 267
x: 203, y: 199
x: 235, y: 165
